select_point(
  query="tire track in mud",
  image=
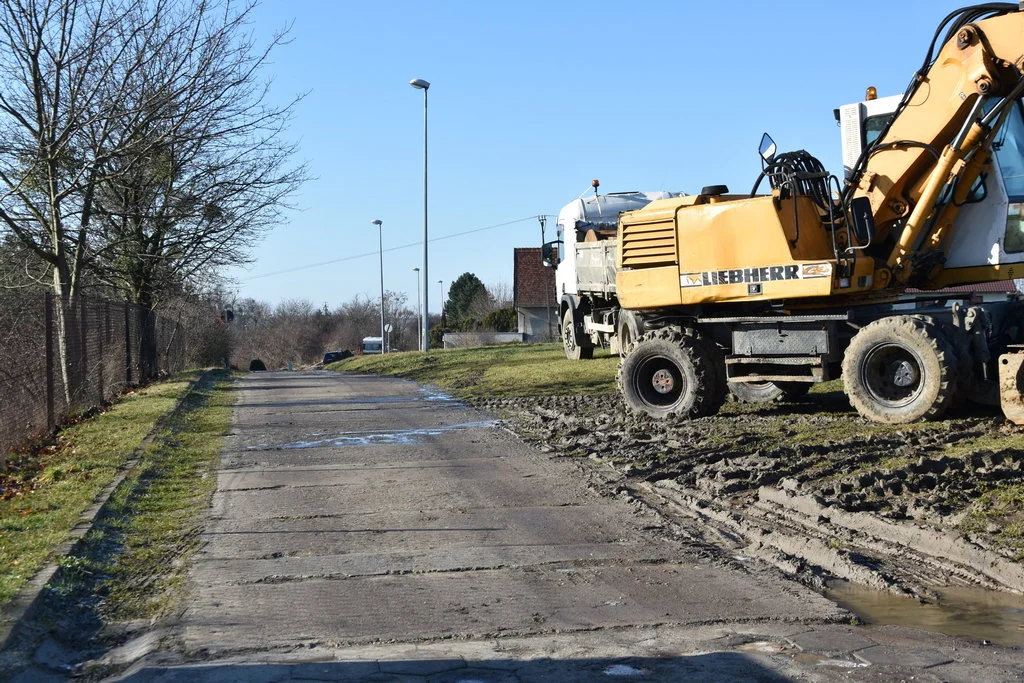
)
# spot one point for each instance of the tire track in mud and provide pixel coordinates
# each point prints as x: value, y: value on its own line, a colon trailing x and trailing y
x: 813, y: 488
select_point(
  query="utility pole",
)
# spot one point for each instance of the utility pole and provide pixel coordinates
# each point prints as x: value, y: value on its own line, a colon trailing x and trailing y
x: 543, y: 240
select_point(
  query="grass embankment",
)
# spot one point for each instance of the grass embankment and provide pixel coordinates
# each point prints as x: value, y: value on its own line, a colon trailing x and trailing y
x: 142, y: 526
x: 506, y: 371
x: 46, y: 490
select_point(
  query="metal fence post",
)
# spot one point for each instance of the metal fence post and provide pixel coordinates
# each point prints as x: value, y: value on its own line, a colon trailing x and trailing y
x: 83, y: 340
x: 127, y: 346
x: 51, y: 419
x: 100, y: 361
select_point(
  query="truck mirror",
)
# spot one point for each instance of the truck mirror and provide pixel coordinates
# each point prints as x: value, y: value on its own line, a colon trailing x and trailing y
x: 767, y: 148
x: 549, y: 254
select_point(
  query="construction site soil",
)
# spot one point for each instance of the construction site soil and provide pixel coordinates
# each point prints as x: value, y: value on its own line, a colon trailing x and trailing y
x: 812, y: 487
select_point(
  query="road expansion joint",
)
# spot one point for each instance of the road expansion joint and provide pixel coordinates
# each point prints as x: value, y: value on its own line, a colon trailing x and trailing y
x: 559, y: 566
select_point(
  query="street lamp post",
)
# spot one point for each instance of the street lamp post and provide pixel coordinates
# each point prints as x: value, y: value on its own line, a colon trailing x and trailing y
x: 380, y: 244
x: 423, y: 85
x: 418, y: 310
x: 440, y: 286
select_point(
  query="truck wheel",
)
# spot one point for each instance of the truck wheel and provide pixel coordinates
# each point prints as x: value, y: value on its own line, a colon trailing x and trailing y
x: 757, y: 392
x: 900, y: 369
x: 668, y: 374
x: 972, y: 385
x: 573, y: 351
x: 627, y: 330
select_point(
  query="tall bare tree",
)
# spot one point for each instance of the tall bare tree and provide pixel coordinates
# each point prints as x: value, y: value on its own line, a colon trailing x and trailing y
x: 136, y: 143
x: 57, y: 64
x: 209, y: 170
x: 60, y: 63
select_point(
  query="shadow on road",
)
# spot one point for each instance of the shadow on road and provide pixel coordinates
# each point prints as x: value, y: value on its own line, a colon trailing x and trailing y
x: 717, y: 666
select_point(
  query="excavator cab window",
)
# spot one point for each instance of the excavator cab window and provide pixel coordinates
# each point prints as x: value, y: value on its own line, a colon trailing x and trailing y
x: 1008, y: 150
x: 873, y: 127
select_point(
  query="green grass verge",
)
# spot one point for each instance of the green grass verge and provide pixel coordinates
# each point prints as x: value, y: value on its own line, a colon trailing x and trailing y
x: 506, y: 371
x: 1000, y: 510
x: 65, y: 479
x: 151, y: 524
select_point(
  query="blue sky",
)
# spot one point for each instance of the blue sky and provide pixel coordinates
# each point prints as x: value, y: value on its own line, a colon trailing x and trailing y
x: 530, y: 101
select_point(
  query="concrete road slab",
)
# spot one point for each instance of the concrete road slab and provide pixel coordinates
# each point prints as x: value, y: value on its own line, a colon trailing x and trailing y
x: 487, y: 602
x: 284, y: 502
x: 355, y: 510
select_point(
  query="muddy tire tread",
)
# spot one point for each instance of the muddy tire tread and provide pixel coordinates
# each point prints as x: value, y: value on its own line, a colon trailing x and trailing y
x: 940, y: 378
x: 707, y: 392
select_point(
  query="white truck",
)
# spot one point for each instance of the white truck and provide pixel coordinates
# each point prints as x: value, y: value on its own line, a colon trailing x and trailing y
x: 584, y: 260
x: 372, y: 345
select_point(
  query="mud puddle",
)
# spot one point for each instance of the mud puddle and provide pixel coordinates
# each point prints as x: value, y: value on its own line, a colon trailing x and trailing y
x: 973, y: 613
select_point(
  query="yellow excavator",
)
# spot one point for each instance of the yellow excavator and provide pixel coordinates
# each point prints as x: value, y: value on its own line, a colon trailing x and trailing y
x: 812, y: 276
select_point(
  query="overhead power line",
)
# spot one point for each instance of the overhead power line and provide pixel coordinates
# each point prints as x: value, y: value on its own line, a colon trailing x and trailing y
x: 353, y: 257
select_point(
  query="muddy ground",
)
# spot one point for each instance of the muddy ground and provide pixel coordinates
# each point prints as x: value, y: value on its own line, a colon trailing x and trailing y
x: 812, y: 487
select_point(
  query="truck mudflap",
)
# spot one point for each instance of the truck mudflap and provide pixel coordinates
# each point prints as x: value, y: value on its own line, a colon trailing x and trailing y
x: 1011, y: 385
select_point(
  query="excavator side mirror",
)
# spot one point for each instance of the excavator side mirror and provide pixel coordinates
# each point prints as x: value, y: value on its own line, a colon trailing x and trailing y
x: 862, y: 221
x: 767, y: 148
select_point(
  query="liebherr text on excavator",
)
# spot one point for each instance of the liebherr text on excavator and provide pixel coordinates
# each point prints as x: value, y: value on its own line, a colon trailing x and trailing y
x: 820, y: 277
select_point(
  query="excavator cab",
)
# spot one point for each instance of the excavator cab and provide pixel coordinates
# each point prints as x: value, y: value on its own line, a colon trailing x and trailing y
x: 986, y: 242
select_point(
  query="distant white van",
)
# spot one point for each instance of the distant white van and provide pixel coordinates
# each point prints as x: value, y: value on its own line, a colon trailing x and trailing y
x: 373, y: 345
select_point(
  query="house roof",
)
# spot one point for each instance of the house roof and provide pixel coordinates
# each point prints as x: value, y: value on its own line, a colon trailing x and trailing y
x: 533, y: 283
x: 996, y: 287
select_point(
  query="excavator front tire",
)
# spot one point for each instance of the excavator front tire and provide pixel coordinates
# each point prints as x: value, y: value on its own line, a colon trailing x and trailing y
x: 668, y: 374
x: 900, y: 369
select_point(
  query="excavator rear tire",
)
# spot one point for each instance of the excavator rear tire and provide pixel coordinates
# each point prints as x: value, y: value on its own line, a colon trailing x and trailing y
x: 668, y: 374
x: 573, y: 351
x: 900, y: 369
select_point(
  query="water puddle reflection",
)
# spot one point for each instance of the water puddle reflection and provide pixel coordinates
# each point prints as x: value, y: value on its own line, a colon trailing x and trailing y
x: 974, y: 613
x: 624, y: 670
x: 375, y: 438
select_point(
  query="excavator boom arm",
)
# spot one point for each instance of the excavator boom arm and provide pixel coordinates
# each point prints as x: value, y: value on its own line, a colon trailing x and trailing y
x: 940, y: 126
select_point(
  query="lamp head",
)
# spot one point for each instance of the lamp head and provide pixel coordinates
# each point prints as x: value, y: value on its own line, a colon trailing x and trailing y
x: 378, y: 222
x: 419, y: 83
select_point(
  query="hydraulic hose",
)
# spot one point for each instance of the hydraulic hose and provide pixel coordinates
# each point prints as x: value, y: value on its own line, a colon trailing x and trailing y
x: 952, y: 24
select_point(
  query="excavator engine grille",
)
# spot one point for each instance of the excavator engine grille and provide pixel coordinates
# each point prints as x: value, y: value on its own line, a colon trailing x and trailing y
x: 648, y: 245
